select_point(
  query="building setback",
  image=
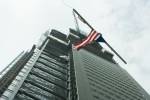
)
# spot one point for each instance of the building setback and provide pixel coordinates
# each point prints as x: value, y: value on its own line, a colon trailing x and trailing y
x: 53, y: 70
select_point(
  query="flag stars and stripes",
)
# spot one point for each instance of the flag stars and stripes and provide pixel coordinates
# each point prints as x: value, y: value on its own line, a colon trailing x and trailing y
x: 90, y: 38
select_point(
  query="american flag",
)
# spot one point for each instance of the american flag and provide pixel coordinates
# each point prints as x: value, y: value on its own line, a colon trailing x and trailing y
x: 90, y: 38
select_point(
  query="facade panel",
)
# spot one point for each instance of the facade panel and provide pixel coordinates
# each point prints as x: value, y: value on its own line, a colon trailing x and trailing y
x: 53, y: 70
x: 105, y: 80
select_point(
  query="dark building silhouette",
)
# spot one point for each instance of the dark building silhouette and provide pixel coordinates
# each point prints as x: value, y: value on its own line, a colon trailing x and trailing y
x: 53, y: 70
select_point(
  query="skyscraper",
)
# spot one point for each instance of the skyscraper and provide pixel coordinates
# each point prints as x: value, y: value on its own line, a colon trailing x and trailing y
x: 53, y: 70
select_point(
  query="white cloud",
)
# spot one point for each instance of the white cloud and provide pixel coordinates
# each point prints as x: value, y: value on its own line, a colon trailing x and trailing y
x: 130, y: 35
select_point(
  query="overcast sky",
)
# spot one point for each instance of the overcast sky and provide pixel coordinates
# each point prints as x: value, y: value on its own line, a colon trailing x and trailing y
x: 125, y: 24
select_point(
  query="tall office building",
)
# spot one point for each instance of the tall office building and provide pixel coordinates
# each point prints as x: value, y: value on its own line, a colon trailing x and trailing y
x: 53, y: 70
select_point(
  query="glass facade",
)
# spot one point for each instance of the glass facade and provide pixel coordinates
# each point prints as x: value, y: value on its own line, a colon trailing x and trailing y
x: 48, y: 79
x: 104, y: 80
x: 56, y: 71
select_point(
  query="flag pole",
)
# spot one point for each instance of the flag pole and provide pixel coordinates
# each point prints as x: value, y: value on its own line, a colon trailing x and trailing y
x: 84, y: 21
x: 115, y: 52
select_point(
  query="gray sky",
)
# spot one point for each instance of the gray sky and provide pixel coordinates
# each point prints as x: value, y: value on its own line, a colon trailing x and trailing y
x: 125, y: 24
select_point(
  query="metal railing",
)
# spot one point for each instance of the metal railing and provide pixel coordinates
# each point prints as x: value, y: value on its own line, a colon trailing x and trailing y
x: 12, y: 72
